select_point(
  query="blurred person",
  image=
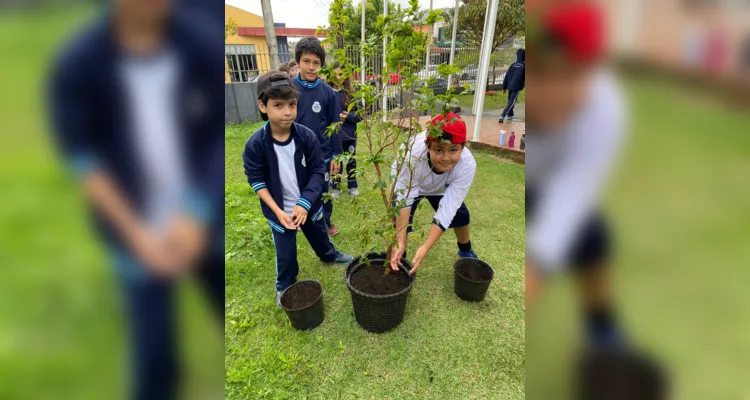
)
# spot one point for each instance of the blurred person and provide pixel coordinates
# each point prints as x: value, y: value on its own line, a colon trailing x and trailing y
x: 319, y: 107
x: 575, y: 120
x: 348, y: 130
x: 441, y: 170
x: 284, y: 67
x: 284, y: 166
x: 140, y: 130
x: 513, y: 82
x: 293, y: 69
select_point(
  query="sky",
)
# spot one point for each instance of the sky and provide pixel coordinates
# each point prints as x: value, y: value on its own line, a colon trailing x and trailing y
x: 312, y: 13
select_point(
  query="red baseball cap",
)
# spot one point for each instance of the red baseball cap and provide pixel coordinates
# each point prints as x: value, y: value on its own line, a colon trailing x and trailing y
x: 575, y: 30
x: 452, y: 125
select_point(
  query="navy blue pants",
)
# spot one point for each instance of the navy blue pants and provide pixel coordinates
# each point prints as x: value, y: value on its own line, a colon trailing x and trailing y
x: 350, y: 146
x: 316, y: 232
x: 327, y: 205
x: 462, y: 217
x: 152, y: 325
x: 512, y: 97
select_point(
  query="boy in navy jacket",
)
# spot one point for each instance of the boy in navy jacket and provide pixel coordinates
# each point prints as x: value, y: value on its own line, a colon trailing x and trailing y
x: 348, y: 130
x: 284, y: 166
x: 319, y: 107
x: 513, y: 82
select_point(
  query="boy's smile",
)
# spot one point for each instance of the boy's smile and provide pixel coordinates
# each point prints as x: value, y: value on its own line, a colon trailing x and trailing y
x: 309, y: 64
x: 444, y: 156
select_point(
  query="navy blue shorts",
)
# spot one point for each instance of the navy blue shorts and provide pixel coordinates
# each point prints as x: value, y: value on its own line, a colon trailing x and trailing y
x: 592, y: 246
x: 460, y: 219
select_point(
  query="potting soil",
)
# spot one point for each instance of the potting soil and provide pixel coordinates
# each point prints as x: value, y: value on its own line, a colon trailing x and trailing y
x: 300, y: 296
x: 373, y: 280
x: 473, y: 271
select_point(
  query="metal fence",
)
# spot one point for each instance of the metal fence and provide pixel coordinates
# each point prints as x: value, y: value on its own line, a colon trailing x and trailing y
x: 246, y: 62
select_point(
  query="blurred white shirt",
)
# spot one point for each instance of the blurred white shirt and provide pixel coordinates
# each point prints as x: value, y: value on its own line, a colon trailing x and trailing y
x: 568, y: 168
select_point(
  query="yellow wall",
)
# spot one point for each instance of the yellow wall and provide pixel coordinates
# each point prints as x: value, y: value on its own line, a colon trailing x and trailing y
x: 244, y: 19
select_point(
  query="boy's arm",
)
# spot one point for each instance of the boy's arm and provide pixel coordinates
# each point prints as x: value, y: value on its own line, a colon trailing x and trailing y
x: 317, y: 170
x: 507, y: 77
x: 354, y: 117
x: 334, y: 109
x: 254, y: 161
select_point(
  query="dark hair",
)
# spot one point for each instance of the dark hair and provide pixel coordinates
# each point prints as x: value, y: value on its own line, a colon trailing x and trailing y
x: 292, y: 64
x: 311, y: 45
x: 284, y: 67
x: 283, y: 92
x: 346, y: 85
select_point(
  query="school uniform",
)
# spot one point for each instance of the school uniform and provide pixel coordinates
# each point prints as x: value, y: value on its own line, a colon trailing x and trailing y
x: 151, y: 123
x: 318, y: 107
x: 445, y: 191
x: 514, y: 81
x: 348, y: 133
x: 294, y: 174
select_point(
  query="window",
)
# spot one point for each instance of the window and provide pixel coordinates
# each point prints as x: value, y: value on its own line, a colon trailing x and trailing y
x: 241, y: 61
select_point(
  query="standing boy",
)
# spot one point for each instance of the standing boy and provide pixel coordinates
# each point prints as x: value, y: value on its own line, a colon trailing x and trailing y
x: 284, y: 166
x: 513, y: 83
x: 318, y: 108
x: 443, y: 170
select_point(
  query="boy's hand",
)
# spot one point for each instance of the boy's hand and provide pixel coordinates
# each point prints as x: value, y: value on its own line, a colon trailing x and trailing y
x: 335, y: 167
x: 154, y: 252
x: 187, y: 239
x: 286, y: 221
x: 533, y: 283
x: 299, y: 215
x: 343, y: 115
x: 418, y: 258
x: 396, y: 255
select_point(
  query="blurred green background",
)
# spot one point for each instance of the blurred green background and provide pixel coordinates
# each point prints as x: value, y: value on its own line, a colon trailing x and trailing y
x: 61, y: 323
x: 679, y: 211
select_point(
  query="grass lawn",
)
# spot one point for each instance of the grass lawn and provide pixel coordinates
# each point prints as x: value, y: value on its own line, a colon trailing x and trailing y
x: 61, y: 321
x: 679, y: 212
x: 445, y: 348
x: 491, y: 102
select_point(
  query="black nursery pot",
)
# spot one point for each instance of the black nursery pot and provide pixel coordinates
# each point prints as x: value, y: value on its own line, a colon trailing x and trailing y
x: 472, y: 278
x: 377, y: 313
x: 309, y: 316
x: 619, y: 374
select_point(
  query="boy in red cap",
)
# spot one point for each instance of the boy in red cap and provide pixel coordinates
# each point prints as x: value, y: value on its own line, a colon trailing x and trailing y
x: 575, y: 125
x: 441, y: 170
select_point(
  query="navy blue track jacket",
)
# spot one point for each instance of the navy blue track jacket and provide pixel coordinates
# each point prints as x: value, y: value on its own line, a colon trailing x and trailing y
x: 318, y: 107
x: 348, y: 130
x: 515, y: 78
x: 262, y: 170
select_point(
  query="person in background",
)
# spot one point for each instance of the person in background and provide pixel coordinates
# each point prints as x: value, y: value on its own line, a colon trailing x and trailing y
x: 284, y: 67
x: 513, y: 82
x: 293, y: 69
x: 284, y: 166
x: 148, y: 154
x: 319, y: 107
x: 348, y: 130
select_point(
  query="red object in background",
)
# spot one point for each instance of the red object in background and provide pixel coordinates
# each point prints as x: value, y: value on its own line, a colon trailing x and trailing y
x: 393, y: 79
x: 512, y: 140
x: 715, y: 52
x: 579, y: 29
x: 490, y: 93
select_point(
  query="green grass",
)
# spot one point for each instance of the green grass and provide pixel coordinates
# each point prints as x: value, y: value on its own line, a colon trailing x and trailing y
x: 679, y: 212
x: 445, y: 348
x: 61, y: 320
x: 491, y: 102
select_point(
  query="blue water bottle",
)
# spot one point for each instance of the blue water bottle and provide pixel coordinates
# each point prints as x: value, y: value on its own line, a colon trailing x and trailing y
x: 502, y: 137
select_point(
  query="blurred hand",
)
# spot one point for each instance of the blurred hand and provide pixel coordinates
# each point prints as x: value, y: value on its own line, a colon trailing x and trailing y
x: 286, y: 221
x: 335, y: 166
x: 533, y: 284
x: 154, y: 252
x: 187, y: 240
x: 343, y: 115
x: 396, y: 255
x: 299, y: 215
x: 418, y: 258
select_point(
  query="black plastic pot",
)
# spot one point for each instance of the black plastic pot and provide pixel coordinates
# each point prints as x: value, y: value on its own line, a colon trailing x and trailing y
x: 620, y: 373
x: 308, y: 317
x: 468, y: 289
x: 377, y: 313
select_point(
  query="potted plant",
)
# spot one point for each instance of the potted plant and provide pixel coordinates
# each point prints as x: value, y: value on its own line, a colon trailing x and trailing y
x: 379, y: 294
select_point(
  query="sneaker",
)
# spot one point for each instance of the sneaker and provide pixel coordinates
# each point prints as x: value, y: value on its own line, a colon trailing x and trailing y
x: 335, y: 193
x: 342, y: 258
x: 278, y: 299
x: 467, y: 254
x: 500, y: 120
x: 333, y: 230
x: 354, y: 192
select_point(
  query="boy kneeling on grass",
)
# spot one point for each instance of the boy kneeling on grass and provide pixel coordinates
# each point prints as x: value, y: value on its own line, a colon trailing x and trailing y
x: 284, y: 165
x: 443, y: 170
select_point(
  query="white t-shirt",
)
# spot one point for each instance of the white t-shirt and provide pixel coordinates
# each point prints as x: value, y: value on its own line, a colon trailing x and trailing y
x: 568, y: 168
x: 150, y: 85
x: 287, y: 173
x: 453, y: 185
